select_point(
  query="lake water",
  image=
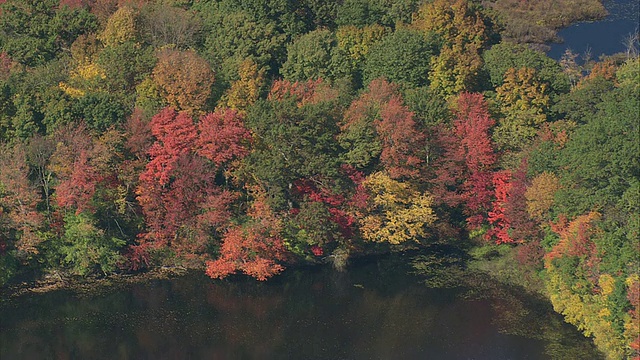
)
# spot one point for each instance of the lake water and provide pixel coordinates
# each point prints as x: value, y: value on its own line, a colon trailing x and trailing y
x: 378, y: 309
x: 600, y: 37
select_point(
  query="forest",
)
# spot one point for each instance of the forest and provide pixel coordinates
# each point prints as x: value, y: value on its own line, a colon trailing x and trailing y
x: 247, y: 136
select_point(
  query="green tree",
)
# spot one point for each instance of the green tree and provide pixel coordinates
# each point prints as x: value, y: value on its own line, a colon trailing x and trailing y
x: 37, y: 102
x: 85, y: 248
x: 505, y: 55
x: 33, y: 32
x: 583, y: 100
x: 100, y: 110
x: 402, y: 57
x: 293, y: 140
x: 233, y: 36
x: 524, y: 104
x: 360, y: 13
x: 310, y: 56
x: 599, y: 163
x: 125, y: 66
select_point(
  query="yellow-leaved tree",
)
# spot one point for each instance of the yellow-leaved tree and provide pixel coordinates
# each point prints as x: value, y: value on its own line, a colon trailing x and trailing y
x: 246, y: 90
x: 523, y: 102
x: 396, y: 212
x: 540, y: 194
x: 463, y: 31
x: 356, y: 42
x: 184, y: 79
x: 120, y: 28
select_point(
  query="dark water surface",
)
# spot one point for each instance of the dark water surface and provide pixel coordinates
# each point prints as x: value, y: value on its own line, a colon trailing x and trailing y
x: 606, y: 36
x: 375, y: 310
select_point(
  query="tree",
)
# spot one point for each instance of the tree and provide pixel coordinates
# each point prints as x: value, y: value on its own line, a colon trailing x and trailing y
x: 175, y: 135
x: 464, y: 171
x: 506, y: 55
x: 71, y: 164
x: 245, y: 91
x: 254, y: 248
x: 402, y: 57
x: 184, y: 79
x: 184, y: 208
x: 302, y: 92
x: 540, y: 195
x: 120, y: 28
x: 39, y: 150
x: 524, y: 103
x: 20, y: 222
x: 165, y: 25
x: 357, y: 42
x: 237, y: 254
x: 34, y: 32
x: 100, y: 110
x: 359, y: 13
x: 523, y: 229
x: 596, y: 165
x: 325, y: 217
x: 400, y: 140
x: 628, y: 73
x: 125, y: 66
x: 87, y: 247
x: 582, y: 102
x: 77, y: 191
x: 295, y: 133
x: 378, y: 129
x: 223, y: 137
x: 396, y: 212
x: 232, y: 36
x: 465, y: 32
x: 497, y: 217
x: 309, y: 57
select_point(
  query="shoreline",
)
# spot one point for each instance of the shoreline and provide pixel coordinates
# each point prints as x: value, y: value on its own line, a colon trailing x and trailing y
x: 90, y: 284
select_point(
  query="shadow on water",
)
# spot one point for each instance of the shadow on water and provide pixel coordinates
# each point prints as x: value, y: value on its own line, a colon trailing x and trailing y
x: 380, y: 308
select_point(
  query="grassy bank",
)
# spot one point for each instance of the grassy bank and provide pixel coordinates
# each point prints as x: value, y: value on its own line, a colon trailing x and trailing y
x: 528, y: 21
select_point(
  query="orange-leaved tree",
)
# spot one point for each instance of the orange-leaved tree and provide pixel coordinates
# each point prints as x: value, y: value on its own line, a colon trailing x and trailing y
x: 184, y: 79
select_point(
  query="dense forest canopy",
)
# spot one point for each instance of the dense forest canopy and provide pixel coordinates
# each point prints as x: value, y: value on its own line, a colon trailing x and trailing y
x: 246, y: 136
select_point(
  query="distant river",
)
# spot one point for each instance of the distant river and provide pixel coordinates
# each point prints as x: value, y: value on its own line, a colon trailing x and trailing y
x: 606, y: 36
x: 377, y: 309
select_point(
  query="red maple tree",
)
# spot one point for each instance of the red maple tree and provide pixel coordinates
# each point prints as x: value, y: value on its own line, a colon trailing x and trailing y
x: 223, y: 136
x: 464, y: 172
x: 500, y: 224
x: 400, y: 139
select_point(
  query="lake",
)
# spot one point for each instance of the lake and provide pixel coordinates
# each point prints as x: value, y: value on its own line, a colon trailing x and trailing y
x: 378, y: 309
x: 606, y: 36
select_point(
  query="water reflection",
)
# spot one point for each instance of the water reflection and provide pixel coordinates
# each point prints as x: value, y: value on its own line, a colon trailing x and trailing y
x: 376, y: 310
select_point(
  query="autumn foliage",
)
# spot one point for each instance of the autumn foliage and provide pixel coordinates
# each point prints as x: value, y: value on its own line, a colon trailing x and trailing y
x: 137, y: 134
x: 177, y: 191
x: 223, y: 137
x: 255, y: 248
x: 184, y: 78
x: 575, y: 236
x: 498, y: 219
x: 18, y: 203
x: 464, y: 175
x: 378, y: 125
